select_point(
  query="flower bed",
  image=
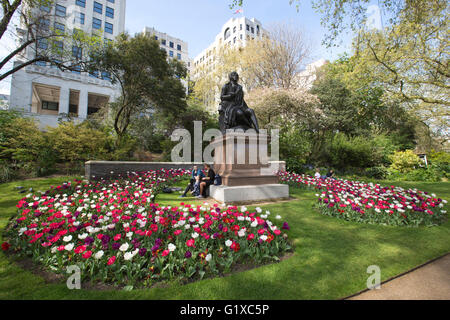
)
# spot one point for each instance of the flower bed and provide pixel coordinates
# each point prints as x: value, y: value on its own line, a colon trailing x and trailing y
x: 115, y: 233
x: 372, y: 203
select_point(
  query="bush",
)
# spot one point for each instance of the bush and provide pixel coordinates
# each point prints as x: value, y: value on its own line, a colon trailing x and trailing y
x: 404, y: 161
x: 376, y: 172
x: 441, y: 162
x: 78, y: 142
x: 344, y: 152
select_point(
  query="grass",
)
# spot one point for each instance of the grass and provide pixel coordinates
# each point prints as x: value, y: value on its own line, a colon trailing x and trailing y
x: 330, y: 260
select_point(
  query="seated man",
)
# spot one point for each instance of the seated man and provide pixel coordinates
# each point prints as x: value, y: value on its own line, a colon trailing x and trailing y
x: 206, y: 181
x: 196, y: 175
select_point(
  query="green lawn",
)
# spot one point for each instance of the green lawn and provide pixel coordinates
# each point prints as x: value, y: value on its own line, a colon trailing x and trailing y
x: 330, y: 260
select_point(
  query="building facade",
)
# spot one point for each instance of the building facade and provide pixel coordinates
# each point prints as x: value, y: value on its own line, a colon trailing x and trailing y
x: 174, y: 47
x: 234, y: 34
x: 45, y: 92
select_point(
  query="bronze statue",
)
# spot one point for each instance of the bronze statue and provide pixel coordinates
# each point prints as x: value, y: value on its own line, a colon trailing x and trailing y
x: 233, y: 111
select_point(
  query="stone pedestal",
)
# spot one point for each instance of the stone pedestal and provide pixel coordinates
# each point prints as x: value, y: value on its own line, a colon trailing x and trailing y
x: 241, y: 159
x: 249, y: 194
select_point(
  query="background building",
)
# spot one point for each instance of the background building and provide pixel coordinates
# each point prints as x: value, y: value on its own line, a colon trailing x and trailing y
x: 47, y: 93
x: 175, y: 48
x: 236, y: 32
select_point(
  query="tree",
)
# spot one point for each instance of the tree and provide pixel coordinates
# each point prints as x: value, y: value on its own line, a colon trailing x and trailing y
x: 410, y: 60
x: 276, y: 60
x: 39, y: 42
x: 149, y: 83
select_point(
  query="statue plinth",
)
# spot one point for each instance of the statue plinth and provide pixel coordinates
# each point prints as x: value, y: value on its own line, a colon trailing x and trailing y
x: 241, y: 159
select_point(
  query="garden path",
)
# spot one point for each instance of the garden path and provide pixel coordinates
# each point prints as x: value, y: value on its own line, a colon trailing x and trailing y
x: 428, y: 282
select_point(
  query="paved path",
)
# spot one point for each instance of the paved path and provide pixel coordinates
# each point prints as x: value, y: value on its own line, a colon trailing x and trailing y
x: 430, y: 282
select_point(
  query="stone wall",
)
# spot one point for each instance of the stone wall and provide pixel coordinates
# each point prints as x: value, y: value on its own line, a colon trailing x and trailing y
x: 95, y: 170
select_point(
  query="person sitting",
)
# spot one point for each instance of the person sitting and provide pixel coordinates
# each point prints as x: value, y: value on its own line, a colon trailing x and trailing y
x: 206, y: 181
x: 330, y: 174
x: 196, y: 176
x: 317, y: 174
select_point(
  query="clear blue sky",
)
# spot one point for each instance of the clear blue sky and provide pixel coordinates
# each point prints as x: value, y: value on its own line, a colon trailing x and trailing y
x: 198, y: 21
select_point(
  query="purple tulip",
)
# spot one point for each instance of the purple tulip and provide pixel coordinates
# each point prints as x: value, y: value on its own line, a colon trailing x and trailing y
x: 286, y: 226
x: 116, y: 246
x: 142, y: 252
x: 188, y: 254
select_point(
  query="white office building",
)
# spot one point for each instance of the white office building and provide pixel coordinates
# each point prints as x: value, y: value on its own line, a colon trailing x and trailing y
x: 236, y: 32
x: 46, y: 93
x: 174, y: 47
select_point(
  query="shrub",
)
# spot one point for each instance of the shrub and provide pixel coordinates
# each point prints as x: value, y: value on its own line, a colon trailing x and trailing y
x: 404, y: 161
x: 343, y: 152
x: 440, y: 161
x: 78, y: 142
x: 376, y: 172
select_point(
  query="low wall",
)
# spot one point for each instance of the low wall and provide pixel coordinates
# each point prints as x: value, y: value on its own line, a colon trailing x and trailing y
x: 95, y: 170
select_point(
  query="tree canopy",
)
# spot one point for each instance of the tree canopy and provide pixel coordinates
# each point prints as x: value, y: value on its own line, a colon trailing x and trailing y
x: 149, y: 82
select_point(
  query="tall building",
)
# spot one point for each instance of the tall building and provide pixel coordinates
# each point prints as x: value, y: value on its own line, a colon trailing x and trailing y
x: 235, y: 33
x: 44, y: 92
x: 175, y: 48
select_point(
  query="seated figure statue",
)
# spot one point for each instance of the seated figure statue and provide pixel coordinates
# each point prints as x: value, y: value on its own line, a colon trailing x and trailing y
x: 233, y: 111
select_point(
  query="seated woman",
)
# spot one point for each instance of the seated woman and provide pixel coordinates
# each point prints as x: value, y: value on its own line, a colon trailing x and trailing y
x: 330, y: 174
x: 196, y: 176
x: 206, y: 181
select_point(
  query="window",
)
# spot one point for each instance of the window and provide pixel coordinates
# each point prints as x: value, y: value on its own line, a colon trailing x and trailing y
x: 96, y: 23
x: 241, y: 36
x: 45, y: 8
x: 178, y: 47
x: 248, y: 27
x: 234, y: 40
x: 112, y: 1
x: 110, y: 12
x: 79, y: 17
x: 234, y: 29
x: 42, y: 44
x: 60, y: 27
x: 227, y: 33
x: 171, y: 53
x: 240, y: 28
x: 44, y: 24
x: 60, y: 11
x: 41, y: 63
x: 171, y: 44
x: 73, y: 108
x: 81, y: 3
x: 179, y: 56
x: 98, y: 7
x: 163, y: 42
x: 253, y: 30
x: 257, y: 30
x: 48, y: 105
x: 108, y: 28
x: 156, y: 38
x: 77, y: 52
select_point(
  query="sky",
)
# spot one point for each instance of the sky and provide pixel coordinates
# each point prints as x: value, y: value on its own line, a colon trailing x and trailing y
x: 197, y: 22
